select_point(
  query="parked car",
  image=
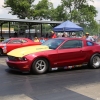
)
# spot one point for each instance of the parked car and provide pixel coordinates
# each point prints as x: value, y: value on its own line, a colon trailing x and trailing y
x: 13, y: 43
x: 55, y: 53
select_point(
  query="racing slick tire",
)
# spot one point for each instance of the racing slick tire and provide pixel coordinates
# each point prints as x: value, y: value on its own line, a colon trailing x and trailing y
x: 95, y: 61
x: 1, y: 51
x: 40, y: 66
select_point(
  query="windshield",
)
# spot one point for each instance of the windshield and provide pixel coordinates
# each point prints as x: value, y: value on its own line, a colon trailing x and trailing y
x: 6, y: 41
x: 53, y: 43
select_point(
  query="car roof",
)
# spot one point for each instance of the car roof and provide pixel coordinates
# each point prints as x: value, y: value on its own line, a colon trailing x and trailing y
x: 70, y: 38
x: 19, y: 38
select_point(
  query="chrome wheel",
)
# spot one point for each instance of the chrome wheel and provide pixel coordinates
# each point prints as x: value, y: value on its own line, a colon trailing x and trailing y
x: 40, y: 65
x: 96, y: 61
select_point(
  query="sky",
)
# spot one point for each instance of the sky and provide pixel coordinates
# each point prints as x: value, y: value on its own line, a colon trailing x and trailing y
x: 4, y: 11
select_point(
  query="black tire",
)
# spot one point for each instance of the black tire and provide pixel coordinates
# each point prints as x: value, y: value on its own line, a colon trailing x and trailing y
x: 1, y: 51
x: 94, y: 61
x: 40, y: 69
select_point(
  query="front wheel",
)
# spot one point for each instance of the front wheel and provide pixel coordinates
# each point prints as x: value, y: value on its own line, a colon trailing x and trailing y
x: 40, y: 66
x: 95, y: 61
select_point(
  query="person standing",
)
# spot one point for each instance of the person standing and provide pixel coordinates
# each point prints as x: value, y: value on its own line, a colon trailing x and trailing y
x: 42, y: 40
x: 74, y: 35
x: 47, y: 35
x: 65, y: 35
x: 53, y: 34
x: 36, y: 39
x: 15, y: 34
x: 90, y: 38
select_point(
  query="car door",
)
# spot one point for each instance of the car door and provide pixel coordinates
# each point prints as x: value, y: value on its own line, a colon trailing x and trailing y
x: 70, y: 53
x: 13, y: 44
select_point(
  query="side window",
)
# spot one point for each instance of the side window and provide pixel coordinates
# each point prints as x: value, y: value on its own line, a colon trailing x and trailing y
x: 72, y: 44
x: 17, y: 41
x: 89, y: 43
x: 23, y: 41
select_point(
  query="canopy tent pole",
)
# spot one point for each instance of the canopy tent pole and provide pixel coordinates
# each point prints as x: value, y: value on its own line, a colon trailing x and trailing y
x: 41, y: 29
x: 9, y: 29
x: 1, y: 30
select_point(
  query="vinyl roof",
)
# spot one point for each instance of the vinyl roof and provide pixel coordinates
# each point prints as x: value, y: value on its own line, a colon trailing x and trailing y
x: 29, y: 21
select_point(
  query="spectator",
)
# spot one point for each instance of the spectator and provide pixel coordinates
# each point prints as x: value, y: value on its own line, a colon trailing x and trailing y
x: 74, y: 35
x: 15, y: 34
x: 59, y: 35
x: 42, y: 40
x: 47, y: 35
x: 65, y: 35
x: 53, y: 34
x: 36, y: 39
x: 90, y: 38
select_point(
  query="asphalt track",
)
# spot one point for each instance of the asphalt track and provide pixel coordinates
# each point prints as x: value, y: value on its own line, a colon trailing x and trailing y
x: 77, y: 84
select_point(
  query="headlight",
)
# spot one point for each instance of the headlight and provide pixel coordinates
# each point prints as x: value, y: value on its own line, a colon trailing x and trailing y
x: 22, y: 59
x: 12, y: 58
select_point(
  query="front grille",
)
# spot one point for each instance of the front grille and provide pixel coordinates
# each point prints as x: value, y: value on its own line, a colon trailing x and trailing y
x: 13, y: 67
x: 12, y: 58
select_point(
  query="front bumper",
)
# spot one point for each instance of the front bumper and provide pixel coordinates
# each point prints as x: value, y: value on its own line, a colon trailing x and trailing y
x: 22, y: 66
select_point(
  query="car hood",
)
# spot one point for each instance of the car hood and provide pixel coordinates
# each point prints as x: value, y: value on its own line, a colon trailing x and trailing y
x: 20, y: 52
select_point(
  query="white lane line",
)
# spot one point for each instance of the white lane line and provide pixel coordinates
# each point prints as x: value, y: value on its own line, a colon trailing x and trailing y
x: 3, y: 63
x: 89, y: 90
x: 15, y: 97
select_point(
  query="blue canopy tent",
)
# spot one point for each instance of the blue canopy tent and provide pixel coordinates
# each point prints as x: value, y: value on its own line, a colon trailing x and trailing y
x: 67, y: 26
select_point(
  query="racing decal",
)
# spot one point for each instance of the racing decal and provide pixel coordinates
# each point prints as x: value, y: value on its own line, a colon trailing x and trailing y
x: 69, y: 67
x: 56, y: 68
x: 79, y: 65
x: 41, y: 48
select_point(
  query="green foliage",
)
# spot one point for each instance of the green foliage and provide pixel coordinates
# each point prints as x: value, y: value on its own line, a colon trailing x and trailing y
x: 21, y: 8
x: 58, y: 14
x: 42, y: 10
x: 78, y: 11
x: 46, y: 28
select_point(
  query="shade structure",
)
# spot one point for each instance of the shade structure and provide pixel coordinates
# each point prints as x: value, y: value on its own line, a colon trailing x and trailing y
x: 67, y: 26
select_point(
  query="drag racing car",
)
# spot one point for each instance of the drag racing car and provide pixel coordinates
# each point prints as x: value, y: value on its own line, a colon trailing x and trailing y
x: 53, y: 54
x: 12, y: 43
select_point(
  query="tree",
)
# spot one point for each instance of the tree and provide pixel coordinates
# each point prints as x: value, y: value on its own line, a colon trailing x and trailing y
x: 21, y: 8
x: 58, y: 14
x: 42, y: 10
x: 78, y: 11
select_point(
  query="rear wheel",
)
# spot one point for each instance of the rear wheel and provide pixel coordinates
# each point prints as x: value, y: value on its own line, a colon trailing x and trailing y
x: 1, y: 51
x: 40, y: 66
x: 95, y: 61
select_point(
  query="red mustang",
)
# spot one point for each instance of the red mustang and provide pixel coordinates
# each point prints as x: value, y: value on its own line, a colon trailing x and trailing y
x: 13, y: 43
x: 55, y: 53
